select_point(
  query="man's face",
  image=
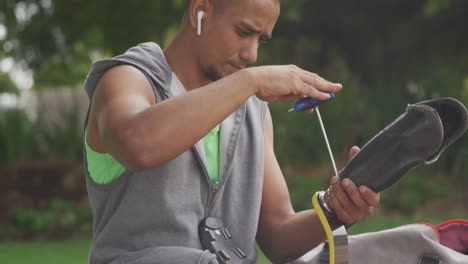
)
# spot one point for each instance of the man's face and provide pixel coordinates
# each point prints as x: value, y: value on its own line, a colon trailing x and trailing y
x: 231, y: 36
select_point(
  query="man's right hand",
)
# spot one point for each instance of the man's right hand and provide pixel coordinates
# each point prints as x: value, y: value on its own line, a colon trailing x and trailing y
x: 289, y: 82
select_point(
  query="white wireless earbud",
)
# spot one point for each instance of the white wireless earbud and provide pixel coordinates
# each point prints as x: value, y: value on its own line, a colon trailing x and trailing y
x: 199, y: 18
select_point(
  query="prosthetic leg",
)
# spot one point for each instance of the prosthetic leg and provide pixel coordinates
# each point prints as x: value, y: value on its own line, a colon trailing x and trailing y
x: 418, y: 136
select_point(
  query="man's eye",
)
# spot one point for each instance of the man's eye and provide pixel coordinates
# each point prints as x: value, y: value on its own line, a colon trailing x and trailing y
x: 243, y: 33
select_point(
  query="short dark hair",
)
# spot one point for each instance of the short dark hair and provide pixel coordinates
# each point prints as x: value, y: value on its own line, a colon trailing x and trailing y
x: 216, y: 3
x: 188, y: 3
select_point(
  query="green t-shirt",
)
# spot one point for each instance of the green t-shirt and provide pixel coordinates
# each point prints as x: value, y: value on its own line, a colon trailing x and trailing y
x: 103, y: 168
x: 211, y: 142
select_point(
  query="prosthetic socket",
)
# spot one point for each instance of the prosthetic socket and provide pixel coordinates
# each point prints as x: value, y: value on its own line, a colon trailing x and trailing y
x: 418, y: 136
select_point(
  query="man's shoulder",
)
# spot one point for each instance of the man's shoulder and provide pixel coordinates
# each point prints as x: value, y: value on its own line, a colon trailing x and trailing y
x: 147, y: 54
x: 145, y: 48
x: 146, y: 57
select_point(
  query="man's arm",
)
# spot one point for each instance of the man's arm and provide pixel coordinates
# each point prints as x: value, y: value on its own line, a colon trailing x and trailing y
x: 139, y: 132
x: 127, y: 122
x: 284, y: 235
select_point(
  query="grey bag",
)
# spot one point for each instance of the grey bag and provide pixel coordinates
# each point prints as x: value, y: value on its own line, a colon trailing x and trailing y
x: 422, y: 243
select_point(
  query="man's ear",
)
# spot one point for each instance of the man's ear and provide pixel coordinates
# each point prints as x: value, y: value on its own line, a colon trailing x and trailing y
x: 196, y: 6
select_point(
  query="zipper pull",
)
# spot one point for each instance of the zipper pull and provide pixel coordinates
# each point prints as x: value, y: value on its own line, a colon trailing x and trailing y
x: 215, y: 187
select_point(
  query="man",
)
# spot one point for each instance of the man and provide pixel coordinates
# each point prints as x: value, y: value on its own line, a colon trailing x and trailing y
x: 176, y: 136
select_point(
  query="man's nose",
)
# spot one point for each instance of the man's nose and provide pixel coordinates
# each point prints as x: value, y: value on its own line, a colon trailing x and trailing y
x: 248, y: 52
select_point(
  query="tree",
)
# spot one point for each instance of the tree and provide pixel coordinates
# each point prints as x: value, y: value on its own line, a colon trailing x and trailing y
x: 386, y: 53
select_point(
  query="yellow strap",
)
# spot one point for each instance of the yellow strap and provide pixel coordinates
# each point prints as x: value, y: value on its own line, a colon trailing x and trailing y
x: 326, y: 227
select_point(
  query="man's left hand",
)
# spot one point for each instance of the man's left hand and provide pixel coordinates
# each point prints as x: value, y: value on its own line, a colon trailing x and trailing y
x: 351, y: 203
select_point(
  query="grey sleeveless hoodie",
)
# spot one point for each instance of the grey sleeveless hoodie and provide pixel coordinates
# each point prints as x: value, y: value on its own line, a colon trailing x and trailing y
x: 153, y: 216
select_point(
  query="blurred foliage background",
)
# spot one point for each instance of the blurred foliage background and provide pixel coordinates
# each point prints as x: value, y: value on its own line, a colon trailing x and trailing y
x: 385, y: 53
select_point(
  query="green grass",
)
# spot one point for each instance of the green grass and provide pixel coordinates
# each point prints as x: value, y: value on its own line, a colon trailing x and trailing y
x: 76, y: 251
x: 45, y: 252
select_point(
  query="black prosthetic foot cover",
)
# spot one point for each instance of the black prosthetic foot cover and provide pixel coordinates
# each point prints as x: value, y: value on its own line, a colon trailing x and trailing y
x: 418, y: 136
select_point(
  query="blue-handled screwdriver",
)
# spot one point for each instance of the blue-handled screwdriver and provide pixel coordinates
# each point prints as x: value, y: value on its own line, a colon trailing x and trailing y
x: 308, y: 103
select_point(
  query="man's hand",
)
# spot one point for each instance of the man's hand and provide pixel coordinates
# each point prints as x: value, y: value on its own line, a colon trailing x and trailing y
x: 287, y: 83
x: 351, y: 203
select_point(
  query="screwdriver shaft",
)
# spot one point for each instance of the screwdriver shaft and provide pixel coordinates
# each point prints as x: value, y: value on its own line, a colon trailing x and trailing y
x: 326, y: 140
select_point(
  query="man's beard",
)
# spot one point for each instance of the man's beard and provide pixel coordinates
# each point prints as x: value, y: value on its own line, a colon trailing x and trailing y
x: 212, y: 74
